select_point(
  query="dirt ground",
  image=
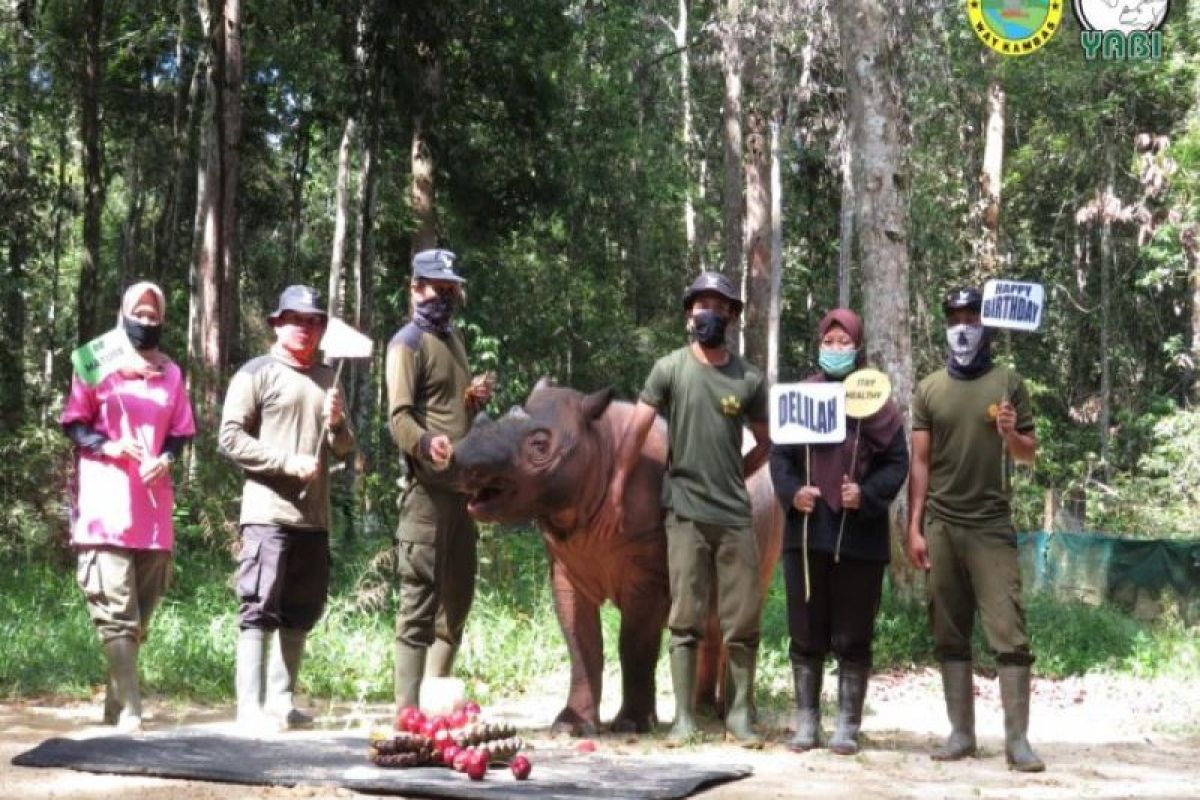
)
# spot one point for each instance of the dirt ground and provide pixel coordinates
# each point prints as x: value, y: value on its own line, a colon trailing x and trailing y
x: 1101, y: 736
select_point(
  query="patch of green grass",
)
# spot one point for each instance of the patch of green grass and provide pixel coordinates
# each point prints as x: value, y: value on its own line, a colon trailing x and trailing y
x: 512, y: 636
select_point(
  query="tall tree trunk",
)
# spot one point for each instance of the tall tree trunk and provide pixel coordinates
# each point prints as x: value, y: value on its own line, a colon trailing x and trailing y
x: 361, y: 393
x: 296, y: 202
x: 166, y: 243
x: 1194, y: 262
x: 991, y: 178
x: 776, y: 301
x: 21, y: 216
x: 679, y: 33
x: 129, y: 260
x: 341, y: 218
x: 846, y: 222
x: 214, y: 295
x: 876, y: 128
x: 1108, y: 206
x: 429, y: 90
x: 93, y: 185
x: 60, y: 204
x: 758, y: 238
x: 731, y: 131
x: 231, y: 142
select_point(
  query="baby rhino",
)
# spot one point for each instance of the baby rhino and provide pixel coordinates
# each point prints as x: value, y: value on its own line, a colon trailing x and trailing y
x: 551, y: 462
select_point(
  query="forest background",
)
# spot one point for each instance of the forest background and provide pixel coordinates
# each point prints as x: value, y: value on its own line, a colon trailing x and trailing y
x: 586, y: 159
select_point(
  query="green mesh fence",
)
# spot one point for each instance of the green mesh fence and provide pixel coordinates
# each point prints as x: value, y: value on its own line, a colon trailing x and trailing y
x: 1147, y: 577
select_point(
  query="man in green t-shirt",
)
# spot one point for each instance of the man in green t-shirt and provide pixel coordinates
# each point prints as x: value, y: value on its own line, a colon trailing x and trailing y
x: 707, y: 393
x: 969, y: 419
x: 432, y: 400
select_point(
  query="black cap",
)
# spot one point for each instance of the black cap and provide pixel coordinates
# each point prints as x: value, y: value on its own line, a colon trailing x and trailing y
x: 962, y: 297
x: 436, y: 265
x: 301, y: 299
x: 712, y: 283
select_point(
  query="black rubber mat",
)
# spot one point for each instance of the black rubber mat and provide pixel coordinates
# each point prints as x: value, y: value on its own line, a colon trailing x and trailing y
x: 342, y: 761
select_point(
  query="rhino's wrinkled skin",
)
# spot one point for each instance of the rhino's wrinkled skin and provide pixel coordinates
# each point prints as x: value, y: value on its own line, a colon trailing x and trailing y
x: 551, y: 462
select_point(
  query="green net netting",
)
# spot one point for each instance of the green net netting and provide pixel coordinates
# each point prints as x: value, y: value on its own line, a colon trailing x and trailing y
x: 1148, y: 577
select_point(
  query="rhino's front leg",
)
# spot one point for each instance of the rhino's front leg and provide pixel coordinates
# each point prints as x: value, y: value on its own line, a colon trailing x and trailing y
x: 579, y: 619
x: 643, y: 617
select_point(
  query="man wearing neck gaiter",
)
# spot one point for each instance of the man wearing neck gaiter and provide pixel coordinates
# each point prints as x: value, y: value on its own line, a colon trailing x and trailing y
x: 707, y: 393
x: 432, y: 401
x: 276, y: 410
x: 969, y: 419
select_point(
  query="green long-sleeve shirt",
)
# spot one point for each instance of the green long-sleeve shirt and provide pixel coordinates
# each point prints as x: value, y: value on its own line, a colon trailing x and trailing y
x: 273, y: 411
x: 427, y: 381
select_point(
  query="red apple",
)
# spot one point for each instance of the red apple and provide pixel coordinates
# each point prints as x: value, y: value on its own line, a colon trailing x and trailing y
x: 403, y: 716
x: 461, y: 758
x: 586, y: 746
x: 477, y: 766
x: 449, y: 753
x: 472, y: 708
x: 458, y: 718
x: 416, y: 722
x: 442, y: 739
x: 520, y: 767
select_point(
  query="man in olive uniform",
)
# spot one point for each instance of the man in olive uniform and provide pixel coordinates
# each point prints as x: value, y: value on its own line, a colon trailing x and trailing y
x: 283, y: 419
x: 707, y: 394
x: 432, y: 400
x: 969, y: 419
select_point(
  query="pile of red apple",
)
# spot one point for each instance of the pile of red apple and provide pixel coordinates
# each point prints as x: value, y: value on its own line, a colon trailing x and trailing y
x: 446, y: 731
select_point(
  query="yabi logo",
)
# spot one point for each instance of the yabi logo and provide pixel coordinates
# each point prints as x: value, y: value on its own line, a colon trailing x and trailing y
x: 1015, y: 27
x: 1121, y: 30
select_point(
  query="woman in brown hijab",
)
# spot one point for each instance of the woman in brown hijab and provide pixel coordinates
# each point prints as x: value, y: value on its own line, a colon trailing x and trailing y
x: 832, y: 604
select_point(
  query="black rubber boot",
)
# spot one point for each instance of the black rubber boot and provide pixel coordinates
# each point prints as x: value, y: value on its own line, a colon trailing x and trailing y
x: 806, y: 677
x: 852, y: 692
x: 959, y: 687
x: 1014, y: 695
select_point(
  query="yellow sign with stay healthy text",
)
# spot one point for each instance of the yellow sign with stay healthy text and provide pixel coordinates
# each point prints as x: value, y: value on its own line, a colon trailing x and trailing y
x: 866, y: 392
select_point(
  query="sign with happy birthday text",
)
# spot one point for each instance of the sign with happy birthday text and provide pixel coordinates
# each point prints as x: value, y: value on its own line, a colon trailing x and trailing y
x: 808, y: 413
x: 1013, y: 305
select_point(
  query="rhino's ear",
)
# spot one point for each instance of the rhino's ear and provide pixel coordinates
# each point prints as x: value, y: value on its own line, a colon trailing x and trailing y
x: 595, y: 403
x: 544, y: 382
x: 480, y: 420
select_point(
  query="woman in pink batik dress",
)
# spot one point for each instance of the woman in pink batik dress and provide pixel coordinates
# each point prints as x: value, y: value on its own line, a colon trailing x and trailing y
x: 128, y: 430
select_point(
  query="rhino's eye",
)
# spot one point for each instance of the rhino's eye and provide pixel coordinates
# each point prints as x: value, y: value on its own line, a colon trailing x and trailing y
x: 537, y: 446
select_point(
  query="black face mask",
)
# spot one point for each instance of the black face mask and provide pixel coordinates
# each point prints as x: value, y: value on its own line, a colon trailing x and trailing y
x: 141, y: 335
x: 708, y: 327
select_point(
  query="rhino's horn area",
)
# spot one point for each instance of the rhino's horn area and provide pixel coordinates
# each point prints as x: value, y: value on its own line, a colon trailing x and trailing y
x: 516, y: 412
x: 544, y: 382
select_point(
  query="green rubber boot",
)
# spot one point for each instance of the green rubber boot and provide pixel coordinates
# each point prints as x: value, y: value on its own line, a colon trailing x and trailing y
x: 739, y: 717
x: 1014, y: 696
x: 408, y: 671
x: 683, y: 682
x: 282, y: 672
x: 959, y: 687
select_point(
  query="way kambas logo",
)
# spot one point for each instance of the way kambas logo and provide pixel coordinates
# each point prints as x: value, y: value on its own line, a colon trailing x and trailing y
x: 1015, y: 27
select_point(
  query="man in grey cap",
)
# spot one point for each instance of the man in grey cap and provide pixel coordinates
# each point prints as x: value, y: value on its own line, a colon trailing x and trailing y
x: 707, y: 393
x: 432, y: 400
x: 283, y: 414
